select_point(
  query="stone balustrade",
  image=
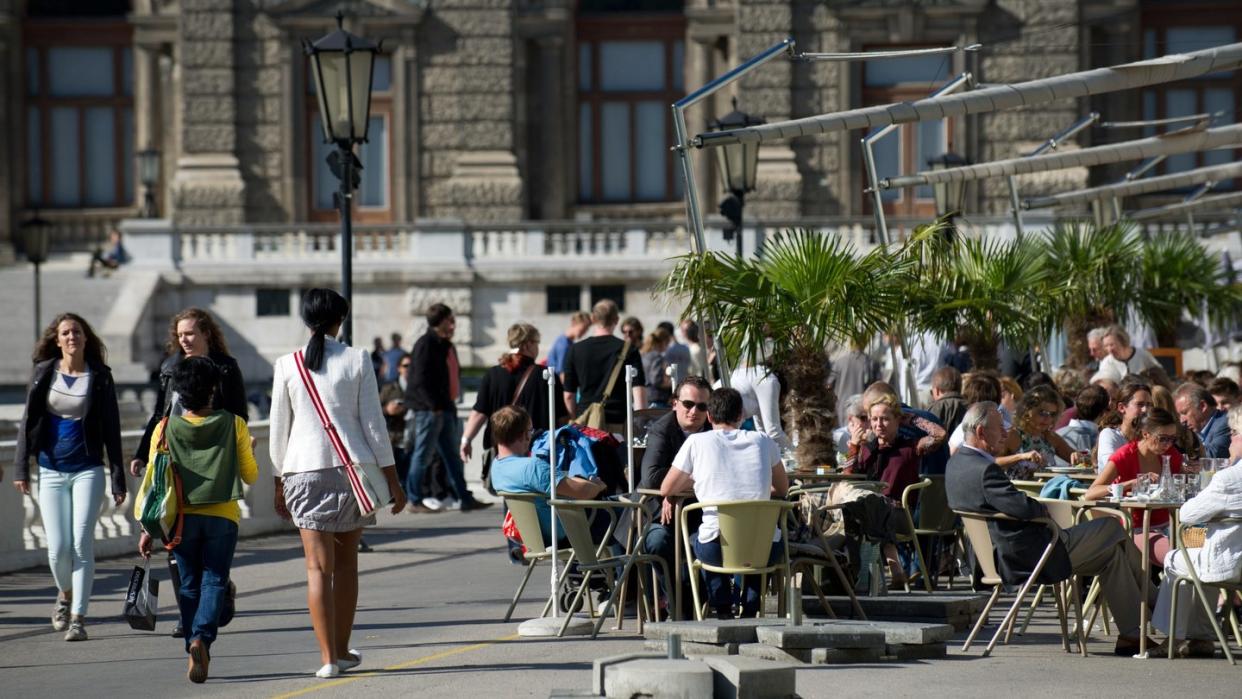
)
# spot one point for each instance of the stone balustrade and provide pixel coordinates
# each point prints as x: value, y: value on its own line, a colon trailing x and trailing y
x: 23, y: 541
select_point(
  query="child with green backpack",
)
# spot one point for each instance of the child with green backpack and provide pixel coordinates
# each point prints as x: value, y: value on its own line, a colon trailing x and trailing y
x: 211, y: 454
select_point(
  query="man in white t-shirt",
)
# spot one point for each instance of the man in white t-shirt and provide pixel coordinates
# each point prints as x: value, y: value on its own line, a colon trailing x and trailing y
x: 725, y: 464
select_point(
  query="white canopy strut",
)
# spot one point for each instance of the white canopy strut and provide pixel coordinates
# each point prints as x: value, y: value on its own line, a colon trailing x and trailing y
x: 1215, y: 173
x: 1221, y: 201
x: 1069, y: 86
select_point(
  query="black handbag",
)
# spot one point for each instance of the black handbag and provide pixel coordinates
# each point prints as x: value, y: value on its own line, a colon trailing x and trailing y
x: 142, y: 598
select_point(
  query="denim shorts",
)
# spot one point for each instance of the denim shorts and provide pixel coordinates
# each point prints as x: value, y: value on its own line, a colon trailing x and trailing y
x: 323, y: 501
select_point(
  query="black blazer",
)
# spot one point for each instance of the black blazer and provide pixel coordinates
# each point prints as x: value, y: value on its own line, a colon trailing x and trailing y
x: 230, y: 395
x: 664, y: 440
x: 428, y: 386
x: 102, y: 424
x: 975, y: 483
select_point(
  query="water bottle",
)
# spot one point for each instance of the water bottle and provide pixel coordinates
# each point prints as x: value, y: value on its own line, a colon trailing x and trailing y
x: 1166, y: 477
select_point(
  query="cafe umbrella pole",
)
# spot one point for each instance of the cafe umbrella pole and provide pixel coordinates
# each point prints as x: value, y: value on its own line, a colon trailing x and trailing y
x: 551, y: 625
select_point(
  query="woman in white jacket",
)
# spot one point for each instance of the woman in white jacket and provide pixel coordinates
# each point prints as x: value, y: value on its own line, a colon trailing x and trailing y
x: 311, y: 485
x: 1220, y: 558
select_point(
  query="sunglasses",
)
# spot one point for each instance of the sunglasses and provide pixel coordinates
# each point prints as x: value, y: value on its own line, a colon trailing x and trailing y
x: 691, y: 405
x: 1046, y: 414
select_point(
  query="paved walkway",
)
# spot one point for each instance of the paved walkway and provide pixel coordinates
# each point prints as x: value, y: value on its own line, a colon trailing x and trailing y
x: 433, y: 594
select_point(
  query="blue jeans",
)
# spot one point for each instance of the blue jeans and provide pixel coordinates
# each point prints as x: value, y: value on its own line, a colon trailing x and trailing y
x: 204, y: 558
x: 69, y: 504
x: 719, y: 585
x: 437, y: 430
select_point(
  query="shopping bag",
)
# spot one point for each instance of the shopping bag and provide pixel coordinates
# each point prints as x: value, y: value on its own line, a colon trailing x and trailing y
x: 142, y: 598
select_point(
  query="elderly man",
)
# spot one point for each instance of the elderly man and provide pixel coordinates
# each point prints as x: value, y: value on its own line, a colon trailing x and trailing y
x: 1095, y: 346
x: 1100, y: 547
x: 664, y: 439
x: 1196, y: 407
x: 726, y: 463
x: 1122, y: 359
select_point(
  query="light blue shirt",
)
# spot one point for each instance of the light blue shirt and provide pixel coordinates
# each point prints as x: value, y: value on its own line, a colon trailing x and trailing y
x: 527, y: 474
x: 556, y: 354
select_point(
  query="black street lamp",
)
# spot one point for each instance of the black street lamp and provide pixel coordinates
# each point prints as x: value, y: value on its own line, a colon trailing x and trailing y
x: 36, y: 238
x: 739, y: 166
x: 149, y: 176
x: 342, y: 65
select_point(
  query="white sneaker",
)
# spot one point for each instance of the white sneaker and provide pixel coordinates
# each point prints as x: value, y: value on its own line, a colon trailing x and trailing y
x: 327, y: 671
x: 349, y: 663
x: 451, y: 503
x: 433, y: 504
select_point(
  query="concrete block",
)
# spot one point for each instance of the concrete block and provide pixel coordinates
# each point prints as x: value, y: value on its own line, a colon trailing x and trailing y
x: 691, y: 648
x: 763, y: 651
x: 900, y: 632
x: 752, y: 678
x: 820, y: 636
x: 600, y: 666
x: 840, y: 656
x: 688, y: 679
x: 912, y: 651
x: 711, y: 630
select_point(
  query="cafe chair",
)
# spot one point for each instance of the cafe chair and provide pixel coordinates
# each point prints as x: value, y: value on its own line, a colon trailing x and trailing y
x: 1191, y: 577
x: 819, y: 553
x: 526, y: 517
x: 596, y: 559
x: 980, y: 538
x: 745, y: 542
x: 911, y: 535
x: 936, y: 521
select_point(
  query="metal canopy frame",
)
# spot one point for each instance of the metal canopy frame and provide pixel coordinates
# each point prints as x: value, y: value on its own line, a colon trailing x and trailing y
x: 1222, y: 200
x: 1213, y: 173
x: 1051, y: 144
x: 694, y: 213
x: 1126, y: 76
x: 1188, y: 141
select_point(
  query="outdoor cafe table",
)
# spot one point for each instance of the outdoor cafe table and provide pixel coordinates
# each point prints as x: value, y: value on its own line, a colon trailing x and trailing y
x: 812, y: 477
x: 1147, y: 507
x: 1083, y: 476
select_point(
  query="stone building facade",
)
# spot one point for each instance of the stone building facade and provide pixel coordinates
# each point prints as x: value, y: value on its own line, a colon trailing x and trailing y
x: 509, y: 111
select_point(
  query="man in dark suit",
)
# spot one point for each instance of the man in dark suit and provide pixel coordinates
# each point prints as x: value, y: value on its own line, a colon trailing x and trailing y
x: 664, y: 439
x: 1100, y: 547
x: 1197, y: 409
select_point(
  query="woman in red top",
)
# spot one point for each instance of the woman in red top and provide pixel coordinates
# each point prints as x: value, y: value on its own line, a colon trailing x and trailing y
x: 1142, y: 459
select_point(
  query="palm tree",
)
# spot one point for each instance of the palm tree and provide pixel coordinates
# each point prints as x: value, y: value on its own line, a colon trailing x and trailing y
x: 1093, y: 280
x: 985, y: 291
x: 782, y: 310
x: 1178, y: 274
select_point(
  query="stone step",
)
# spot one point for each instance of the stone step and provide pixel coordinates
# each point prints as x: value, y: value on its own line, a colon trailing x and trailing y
x: 754, y: 678
x: 956, y: 610
x: 692, y: 648
x: 820, y: 636
x: 899, y: 632
x: 711, y: 630
x: 659, y: 678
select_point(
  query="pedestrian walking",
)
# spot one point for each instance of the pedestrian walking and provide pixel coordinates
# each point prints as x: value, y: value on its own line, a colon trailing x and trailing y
x: 193, y: 333
x: 432, y: 393
x: 312, y: 487
x: 70, y: 421
x: 214, y: 456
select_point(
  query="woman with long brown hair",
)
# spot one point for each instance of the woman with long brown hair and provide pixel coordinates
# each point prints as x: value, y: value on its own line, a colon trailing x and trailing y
x: 193, y: 333
x: 1134, y: 399
x: 71, y: 420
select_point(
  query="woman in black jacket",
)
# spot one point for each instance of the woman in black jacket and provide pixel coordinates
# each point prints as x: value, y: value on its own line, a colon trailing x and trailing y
x: 193, y: 333
x: 71, y: 420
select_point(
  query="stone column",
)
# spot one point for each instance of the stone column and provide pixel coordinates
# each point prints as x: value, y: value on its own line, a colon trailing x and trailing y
x: 207, y: 187
x: 768, y: 92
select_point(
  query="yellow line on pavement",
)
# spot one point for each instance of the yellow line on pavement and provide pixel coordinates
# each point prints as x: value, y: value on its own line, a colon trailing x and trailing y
x: 352, y: 677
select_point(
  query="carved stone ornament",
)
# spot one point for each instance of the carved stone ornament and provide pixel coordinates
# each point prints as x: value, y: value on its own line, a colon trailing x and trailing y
x: 418, y: 299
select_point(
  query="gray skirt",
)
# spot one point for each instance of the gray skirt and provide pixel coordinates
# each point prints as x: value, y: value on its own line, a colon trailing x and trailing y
x: 323, y: 501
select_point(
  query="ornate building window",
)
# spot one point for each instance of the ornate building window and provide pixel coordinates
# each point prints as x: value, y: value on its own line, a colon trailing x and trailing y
x: 79, y: 114
x: 629, y: 72
x: 909, y: 149
x: 1174, y: 30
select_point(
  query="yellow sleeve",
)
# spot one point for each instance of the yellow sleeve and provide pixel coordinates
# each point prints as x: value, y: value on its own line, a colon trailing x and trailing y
x: 156, y: 436
x: 247, y: 467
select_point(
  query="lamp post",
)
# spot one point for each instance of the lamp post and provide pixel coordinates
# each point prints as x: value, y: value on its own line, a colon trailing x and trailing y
x: 739, y: 166
x: 948, y: 196
x: 342, y: 66
x: 149, y: 176
x: 36, y: 234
